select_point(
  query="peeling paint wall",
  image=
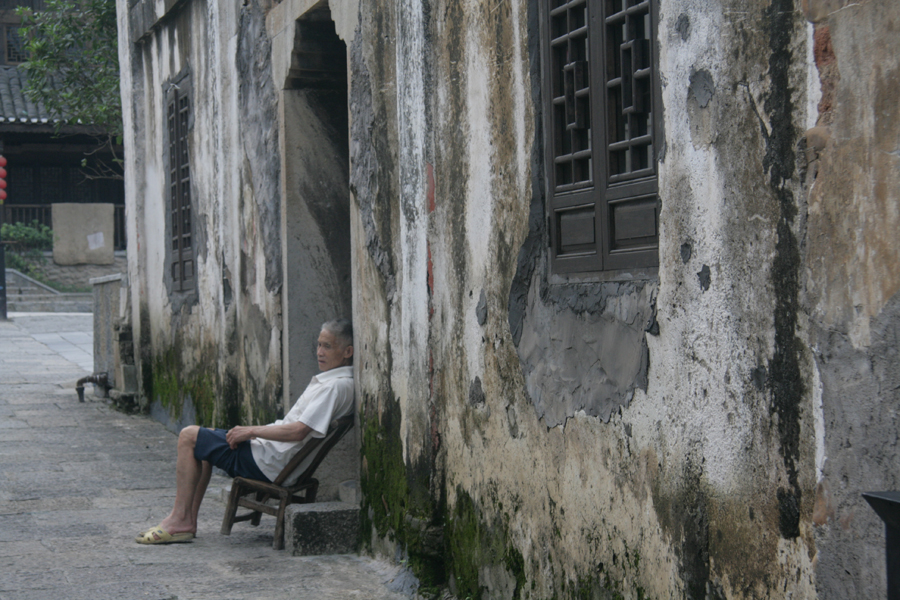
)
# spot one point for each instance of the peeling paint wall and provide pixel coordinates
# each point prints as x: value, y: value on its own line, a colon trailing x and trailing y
x: 654, y: 435
x: 699, y: 430
x: 852, y: 285
x: 219, y: 346
x: 216, y: 356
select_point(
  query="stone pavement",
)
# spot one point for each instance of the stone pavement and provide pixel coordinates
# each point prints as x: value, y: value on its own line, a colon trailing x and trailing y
x: 37, y: 344
x: 78, y: 481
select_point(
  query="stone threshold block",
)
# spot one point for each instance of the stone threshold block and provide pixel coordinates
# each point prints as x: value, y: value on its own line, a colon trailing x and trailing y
x: 321, y: 528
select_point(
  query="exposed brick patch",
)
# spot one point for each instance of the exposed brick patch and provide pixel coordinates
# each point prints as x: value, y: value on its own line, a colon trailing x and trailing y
x: 826, y: 61
x: 435, y: 423
x: 822, y: 49
x: 430, y: 170
x: 823, y: 508
x: 430, y: 281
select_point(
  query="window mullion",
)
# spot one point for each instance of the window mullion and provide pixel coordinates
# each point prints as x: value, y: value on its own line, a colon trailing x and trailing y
x: 629, y: 189
x: 181, y: 254
x: 175, y: 246
x: 598, y: 106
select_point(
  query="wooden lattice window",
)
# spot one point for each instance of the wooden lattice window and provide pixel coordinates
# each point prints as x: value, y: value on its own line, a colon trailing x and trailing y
x: 15, y: 45
x: 601, y: 111
x: 181, y: 255
x: 20, y: 183
x: 52, y: 184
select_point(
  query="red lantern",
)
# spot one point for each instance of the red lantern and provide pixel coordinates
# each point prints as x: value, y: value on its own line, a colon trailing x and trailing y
x: 2, y: 178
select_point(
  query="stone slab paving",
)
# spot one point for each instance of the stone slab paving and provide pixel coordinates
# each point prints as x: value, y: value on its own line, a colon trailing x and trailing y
x: 78, y: 481
x: 70, y: 335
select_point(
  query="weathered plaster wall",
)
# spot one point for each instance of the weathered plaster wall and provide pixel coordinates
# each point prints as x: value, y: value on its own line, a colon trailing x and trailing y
x: 853, y: 281
x: 215, y: 351
x: 729, y: 370
x: 702, y: 430
x: 531, y: 436
x: 583, y: 346
x: 269, y: 211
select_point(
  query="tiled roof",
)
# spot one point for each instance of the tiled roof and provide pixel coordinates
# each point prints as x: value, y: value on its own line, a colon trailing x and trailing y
x: 15, y: 107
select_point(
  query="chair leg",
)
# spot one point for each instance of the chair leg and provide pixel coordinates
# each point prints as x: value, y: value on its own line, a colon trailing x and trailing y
x: 278, y: 541
x: 260, y: 497
x: 311, y: 492
x: 237, y: 491
x: 231, y: 509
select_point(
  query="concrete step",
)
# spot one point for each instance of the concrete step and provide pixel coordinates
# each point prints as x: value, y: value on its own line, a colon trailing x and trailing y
x: 25, y: 289
x: 348, y: 491
x: 321, y: 528
x: 43, y: 294
x: 13, y: 295
x: 18, y: 280
x: 24, y: 294
x: 32, y: 294
x: 84, y: 303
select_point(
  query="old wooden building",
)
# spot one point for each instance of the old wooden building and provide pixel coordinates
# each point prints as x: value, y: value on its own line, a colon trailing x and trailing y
x: 624, y: 273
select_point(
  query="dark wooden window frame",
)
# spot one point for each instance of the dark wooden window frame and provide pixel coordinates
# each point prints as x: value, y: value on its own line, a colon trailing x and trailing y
x: 180, y: 239
x: 602, y: 133
x: 6, y: 31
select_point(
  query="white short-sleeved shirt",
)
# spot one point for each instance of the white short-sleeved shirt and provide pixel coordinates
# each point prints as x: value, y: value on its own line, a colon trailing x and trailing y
x: 328, y: 396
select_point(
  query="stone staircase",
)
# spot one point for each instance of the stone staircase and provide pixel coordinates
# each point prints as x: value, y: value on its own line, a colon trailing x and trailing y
x: 24, y: 294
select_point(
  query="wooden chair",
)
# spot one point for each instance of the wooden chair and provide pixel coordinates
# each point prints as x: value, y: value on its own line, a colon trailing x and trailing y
x: 241, y: 488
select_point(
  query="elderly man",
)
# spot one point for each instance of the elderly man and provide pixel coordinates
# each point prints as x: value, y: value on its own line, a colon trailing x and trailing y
x: 259, y: 452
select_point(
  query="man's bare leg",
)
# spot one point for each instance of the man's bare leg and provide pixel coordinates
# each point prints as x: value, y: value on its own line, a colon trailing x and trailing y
x: 200, y: 491
x: 189, y: 480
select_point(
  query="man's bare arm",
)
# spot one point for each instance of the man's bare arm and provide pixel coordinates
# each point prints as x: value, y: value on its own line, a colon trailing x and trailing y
x: 286, y: 432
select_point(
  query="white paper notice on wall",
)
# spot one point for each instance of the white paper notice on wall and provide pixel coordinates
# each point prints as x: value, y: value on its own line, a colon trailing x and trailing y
x: 95, y: 240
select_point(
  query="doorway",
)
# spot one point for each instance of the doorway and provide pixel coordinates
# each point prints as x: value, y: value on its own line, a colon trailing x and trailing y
x: 315, y: 211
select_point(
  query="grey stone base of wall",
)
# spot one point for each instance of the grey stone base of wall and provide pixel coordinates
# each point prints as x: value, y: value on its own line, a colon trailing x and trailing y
x: 321, y: 528
x: 81, y: 275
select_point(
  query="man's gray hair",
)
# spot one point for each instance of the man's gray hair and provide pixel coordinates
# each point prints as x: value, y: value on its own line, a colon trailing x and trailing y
x: 342, y: 329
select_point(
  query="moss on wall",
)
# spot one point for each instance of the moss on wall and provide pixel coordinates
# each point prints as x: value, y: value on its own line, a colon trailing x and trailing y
x: 439, y: 542
x: 601, y: 587
x: 465, y: 544
x: 218, y: 399
x: 266, y: 406
x: 476, y: 546
x: 394, y: 507
x: 231, y: 398
x: 171, y: 385
x: 220, y: 389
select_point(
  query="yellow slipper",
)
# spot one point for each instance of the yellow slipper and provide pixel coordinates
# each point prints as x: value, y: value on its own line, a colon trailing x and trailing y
x: 158, y: 535
x: 155, y: 527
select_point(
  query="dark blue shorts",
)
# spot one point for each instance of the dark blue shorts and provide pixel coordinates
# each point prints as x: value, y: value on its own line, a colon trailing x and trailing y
x: 212, y: 447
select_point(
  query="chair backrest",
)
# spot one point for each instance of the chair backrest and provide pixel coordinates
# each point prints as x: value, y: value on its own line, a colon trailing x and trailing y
x: 336, y: 431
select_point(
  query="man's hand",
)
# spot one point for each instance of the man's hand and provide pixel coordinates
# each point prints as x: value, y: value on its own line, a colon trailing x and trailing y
x: 238, y: 434
x: 286, y: 432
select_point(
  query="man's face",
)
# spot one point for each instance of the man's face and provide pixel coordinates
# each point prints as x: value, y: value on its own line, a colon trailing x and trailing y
x: 331, y: 353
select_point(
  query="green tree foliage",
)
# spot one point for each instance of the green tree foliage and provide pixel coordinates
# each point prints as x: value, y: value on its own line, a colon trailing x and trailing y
x: 20, y: 237
x: 25, y: 245
x: 73, y: 64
